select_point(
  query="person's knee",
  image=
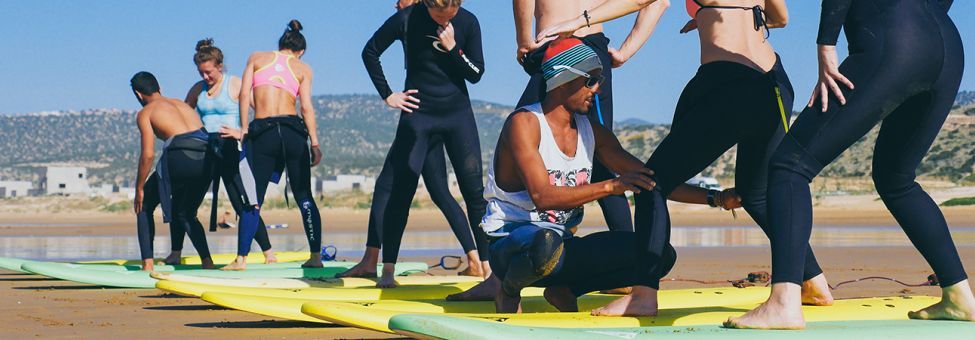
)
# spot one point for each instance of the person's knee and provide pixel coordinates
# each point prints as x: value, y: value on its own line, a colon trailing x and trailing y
x: 795, y: 160
x: 891, y: 183
x: 545, y: 251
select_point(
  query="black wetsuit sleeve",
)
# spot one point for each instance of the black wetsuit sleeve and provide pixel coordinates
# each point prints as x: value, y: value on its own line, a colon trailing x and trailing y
x: 469, y: 59
x: 389, y: 32
x: 831, y: 20
x: 946, y: 4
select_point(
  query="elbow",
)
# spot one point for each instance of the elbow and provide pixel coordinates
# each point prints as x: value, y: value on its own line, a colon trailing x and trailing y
x: 643, y: 3
x: 778, y: 21
x: 541, y: 201
x: 663, y: 3
x: 475, y: 78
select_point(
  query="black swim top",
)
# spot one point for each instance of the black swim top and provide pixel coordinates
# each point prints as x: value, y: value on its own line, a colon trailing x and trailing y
x: 836, y: 13
x: 758, y: 14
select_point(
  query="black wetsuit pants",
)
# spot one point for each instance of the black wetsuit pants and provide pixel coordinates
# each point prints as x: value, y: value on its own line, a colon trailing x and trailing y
x: 538, y: 257
x: 226, y: 159
x: 417, y: 134
x: 906, y: 64
x: 189, y: 179
x: 616, y: 209
x: 724, y: 105
x: 273, y: 144
x: 434, y: 175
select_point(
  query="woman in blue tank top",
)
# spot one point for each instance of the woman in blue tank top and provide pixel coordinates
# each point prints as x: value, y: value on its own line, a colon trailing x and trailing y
x: 215, y: 99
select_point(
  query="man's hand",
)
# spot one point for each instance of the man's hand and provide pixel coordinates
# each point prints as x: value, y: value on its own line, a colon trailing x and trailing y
x: 446, y: 36
x: 316, y: 155
x: 137, y: 202
x: 634, y: 181
x: 729, y: 199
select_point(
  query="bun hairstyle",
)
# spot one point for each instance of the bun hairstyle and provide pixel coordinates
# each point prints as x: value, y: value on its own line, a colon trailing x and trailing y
x: 292, y: 39
x: 205, y: 51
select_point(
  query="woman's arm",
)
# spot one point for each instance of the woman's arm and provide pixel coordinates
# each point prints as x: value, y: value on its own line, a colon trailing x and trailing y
x: 776, y: 13
x: 308, y: 114
x: 244, y: 98
x: 390, y: 31
x: 643, y: 27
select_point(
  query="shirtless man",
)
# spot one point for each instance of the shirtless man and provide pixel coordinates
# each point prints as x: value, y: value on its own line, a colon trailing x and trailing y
x: 181, y: 178
x: 615, y: 208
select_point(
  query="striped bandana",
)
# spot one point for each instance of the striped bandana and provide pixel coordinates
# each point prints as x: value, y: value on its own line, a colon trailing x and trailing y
x: 569, y: 52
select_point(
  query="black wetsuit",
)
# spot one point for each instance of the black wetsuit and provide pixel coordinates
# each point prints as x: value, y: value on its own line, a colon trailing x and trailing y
x: 271, y: 146
x: 187, y: 165
x: 444, y: 116
x: 906, y: 63
x: 724, y: 105
x: 616, y: 209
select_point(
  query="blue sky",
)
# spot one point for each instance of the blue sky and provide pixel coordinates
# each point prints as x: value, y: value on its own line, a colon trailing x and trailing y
x: 81, y: 54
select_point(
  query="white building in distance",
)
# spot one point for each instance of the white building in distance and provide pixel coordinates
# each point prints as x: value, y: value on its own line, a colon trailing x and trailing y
x: 10, y: 189
x: 348, y: 183
x: 65, y: 180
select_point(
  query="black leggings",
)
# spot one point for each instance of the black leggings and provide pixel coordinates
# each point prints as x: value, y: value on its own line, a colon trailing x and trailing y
x: 226, y: 167
x: 616, y: 209
x: 189, y: 180
x: 724, y: 105
x: 418, y: 135
x: 599, y: 261
x: 274, y: 144
x: 435, y: 179
x: 906, y: 64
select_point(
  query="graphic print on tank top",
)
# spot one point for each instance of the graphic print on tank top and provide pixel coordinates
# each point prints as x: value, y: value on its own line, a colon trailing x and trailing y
x: 561, y: 178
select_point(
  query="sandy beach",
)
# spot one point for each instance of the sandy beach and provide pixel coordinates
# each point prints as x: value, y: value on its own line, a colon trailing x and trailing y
x: 35, y: 306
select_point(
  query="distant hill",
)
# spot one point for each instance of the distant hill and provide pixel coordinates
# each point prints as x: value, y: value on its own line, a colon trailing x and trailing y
x: 356, y: 131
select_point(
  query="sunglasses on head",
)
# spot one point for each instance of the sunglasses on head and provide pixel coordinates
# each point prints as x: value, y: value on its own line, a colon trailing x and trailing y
x: 591, y: 80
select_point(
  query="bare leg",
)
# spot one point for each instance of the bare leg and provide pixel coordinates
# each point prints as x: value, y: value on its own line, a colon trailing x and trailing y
x: 783, y: 310
x: 240, y: 263
x: 641, y: 302
x: 484, y: 291
x: 388, y: 279
x: 957, y: 303
x: 207, y: 263
x: 473, y: 265
x: 504, y: 303
x: 620, y: 291
x: 366, y: 267
x: 815, y: 292
x: 561, y: 298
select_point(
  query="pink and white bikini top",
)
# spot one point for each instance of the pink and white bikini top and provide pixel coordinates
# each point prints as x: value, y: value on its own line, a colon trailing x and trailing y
x: 278, y: 74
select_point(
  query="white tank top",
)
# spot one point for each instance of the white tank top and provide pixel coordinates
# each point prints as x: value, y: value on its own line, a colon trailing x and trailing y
x: 506, y: 207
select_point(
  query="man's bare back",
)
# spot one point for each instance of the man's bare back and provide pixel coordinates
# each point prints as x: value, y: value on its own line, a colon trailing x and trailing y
x: 170, y: 117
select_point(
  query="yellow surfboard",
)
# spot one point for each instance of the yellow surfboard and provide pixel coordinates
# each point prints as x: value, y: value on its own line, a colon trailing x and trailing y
x: 405, y: 292
x: 311, y: 283
x: 285, y: 256
x: 884, y: 308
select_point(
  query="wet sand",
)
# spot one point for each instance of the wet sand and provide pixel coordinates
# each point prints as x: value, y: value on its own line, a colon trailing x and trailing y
x: 33, y: 306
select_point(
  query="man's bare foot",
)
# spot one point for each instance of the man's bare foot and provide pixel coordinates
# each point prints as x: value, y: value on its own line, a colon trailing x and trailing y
x: 561, y: 298
x: 314, y: 261
x: 641, y: 302
x: 504, y: 303
x: 174, y: 258
x: 366, y: 268
x: 147, y: 264
x: 619, y: 291
x: 388, y: 279
x: 269, y: 257
x: 783, y: 310
x: 484, y: 291
x: 815, y: 292
x: 957, y: 303
x: 207, y: 263
x: 240, y: 263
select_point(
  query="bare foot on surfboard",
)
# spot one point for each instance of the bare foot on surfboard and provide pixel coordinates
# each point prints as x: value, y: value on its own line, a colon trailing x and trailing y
x: 269, y: 257
x: 504, y: 303
x: 783, y: 310
x: 957, y: 303
x: 473, y: 269
x: 561, y: 298
x: 484, y: 291
x: 618, y: 291
x: 641, y: 302
x: 364, y: 270
x: 239, y: 264
x: 174, y: 258
x: 388, y: 280
x: 815, y: 292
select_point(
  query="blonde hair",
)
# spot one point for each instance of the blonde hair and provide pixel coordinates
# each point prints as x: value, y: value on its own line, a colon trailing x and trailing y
x: 442, y: 3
